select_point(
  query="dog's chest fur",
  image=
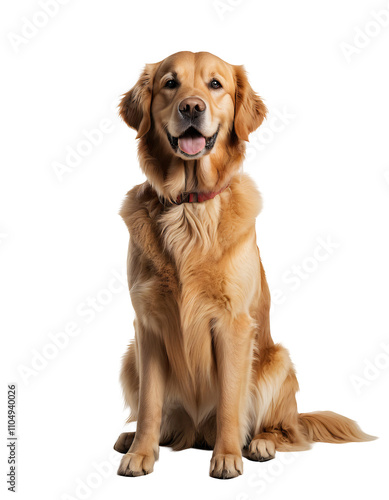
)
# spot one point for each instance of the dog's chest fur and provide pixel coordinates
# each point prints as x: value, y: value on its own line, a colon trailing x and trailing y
x: 197, y: 249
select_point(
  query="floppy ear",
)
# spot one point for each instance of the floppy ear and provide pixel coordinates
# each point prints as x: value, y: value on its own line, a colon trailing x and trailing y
x: 249, y: 108
x: 135, y: 105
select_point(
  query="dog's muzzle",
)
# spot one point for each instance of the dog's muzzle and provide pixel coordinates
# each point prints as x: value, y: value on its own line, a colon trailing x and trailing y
x: 192, y: 142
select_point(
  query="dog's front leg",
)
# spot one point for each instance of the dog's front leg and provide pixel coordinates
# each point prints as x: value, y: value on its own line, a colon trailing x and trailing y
x: 140, y: 458
x: 233, y: 345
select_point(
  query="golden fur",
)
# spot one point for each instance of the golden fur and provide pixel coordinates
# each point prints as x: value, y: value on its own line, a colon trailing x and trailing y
x: 203, y: 369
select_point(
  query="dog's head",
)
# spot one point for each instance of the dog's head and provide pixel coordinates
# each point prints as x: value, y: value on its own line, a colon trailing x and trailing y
x: 191, y: 106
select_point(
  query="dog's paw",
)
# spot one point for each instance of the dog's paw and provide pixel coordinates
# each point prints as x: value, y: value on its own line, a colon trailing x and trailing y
x: 226, y: 466
x: 124, y: 442
x: 261, y: 450
x: 135, y: 464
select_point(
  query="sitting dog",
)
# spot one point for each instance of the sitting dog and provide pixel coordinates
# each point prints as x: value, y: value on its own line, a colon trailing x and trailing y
x: 203, y: 370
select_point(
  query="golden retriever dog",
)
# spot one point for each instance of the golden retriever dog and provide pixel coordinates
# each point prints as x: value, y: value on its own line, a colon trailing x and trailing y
x: 203, y: 370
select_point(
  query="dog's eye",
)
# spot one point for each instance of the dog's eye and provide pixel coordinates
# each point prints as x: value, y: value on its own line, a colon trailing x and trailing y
x: 215, y: 84
x: 171, y: 84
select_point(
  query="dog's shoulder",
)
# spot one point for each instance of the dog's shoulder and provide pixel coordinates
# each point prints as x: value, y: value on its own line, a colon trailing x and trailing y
x: 246, y: 199
x: 139, y: 211
x: 138, y: 206
x: 240, y: 209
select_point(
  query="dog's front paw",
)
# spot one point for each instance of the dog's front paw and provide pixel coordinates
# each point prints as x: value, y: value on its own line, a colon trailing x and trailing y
x: 226, y: 466
x: 136, y: 464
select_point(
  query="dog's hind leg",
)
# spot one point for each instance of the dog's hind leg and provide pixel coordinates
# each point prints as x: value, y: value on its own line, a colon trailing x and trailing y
x: 130, y: 384
x: 276, y: 420
x: 124, y: 442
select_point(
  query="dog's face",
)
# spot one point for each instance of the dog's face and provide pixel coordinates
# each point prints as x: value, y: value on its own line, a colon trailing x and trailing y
x: 193, y: 102
x: 190, y: 106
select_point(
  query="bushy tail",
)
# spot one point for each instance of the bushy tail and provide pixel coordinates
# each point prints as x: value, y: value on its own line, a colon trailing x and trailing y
x: 329, y: 427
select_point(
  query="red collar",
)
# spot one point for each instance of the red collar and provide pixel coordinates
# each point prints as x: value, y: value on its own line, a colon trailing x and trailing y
x: 195, y: 197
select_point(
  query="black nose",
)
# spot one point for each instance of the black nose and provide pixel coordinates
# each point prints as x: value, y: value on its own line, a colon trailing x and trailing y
x: 192, y: 107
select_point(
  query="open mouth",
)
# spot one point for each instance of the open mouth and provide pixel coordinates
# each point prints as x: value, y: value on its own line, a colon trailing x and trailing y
x: 191, y: 142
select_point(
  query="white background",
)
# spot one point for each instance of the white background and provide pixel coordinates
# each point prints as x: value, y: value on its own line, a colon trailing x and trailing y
x: 323, y: 173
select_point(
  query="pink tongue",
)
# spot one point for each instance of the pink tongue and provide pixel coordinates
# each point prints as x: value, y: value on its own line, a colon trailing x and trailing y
x: 191, y: 145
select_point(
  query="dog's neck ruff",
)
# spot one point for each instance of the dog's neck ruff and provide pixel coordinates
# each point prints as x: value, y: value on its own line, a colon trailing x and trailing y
x: 193, y: 197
